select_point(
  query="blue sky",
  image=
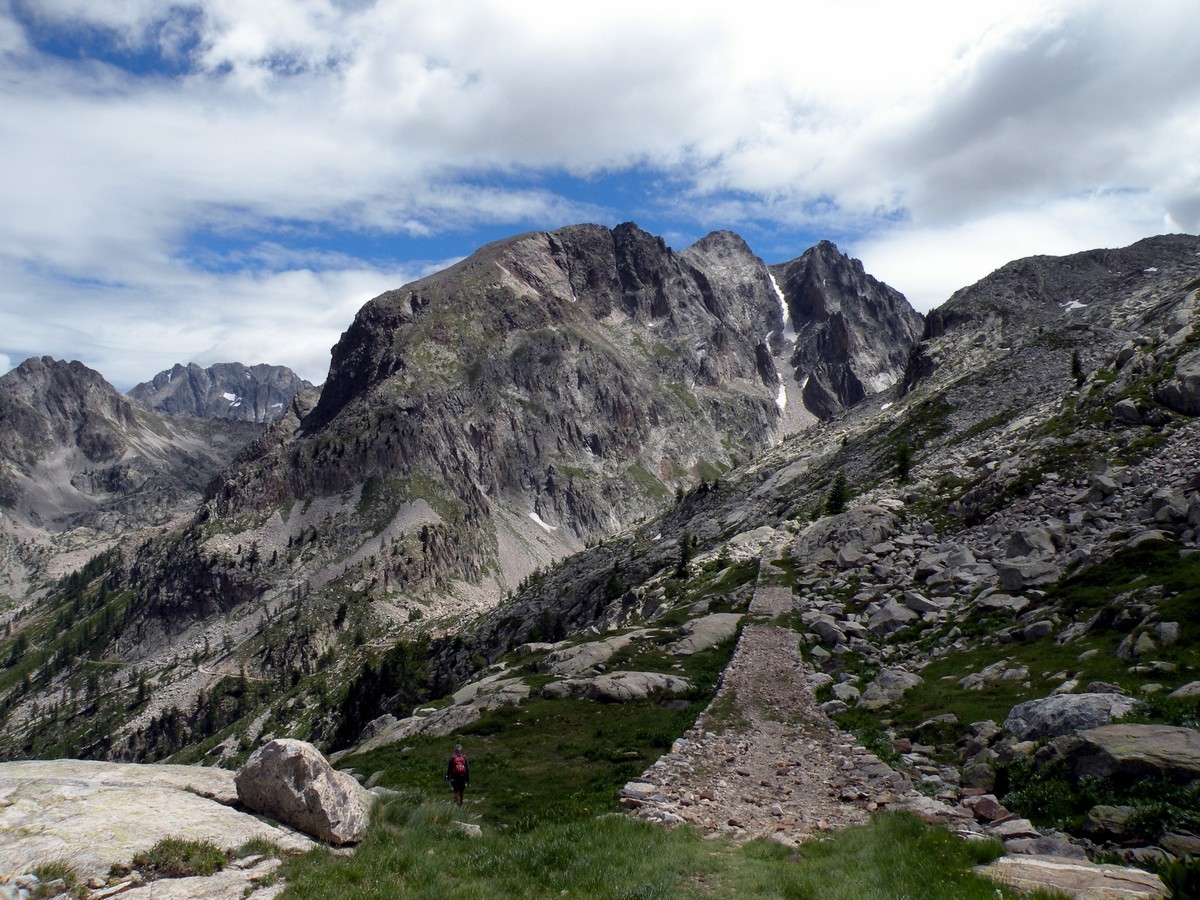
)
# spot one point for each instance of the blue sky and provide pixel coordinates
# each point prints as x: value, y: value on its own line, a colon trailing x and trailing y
x: 232, y: 179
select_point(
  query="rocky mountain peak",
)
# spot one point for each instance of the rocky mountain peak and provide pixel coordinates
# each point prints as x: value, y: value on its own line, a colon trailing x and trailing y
x: 853, y: 332
x: 46, y: 402
x: 259, y: 393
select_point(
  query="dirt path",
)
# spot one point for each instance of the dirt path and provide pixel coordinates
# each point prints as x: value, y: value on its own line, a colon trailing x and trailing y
x: 763, y: 760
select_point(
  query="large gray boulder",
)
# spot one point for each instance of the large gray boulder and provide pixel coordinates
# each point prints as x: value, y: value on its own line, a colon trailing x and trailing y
x: 887, y: 688
x: 706, y: 632
x: 291, y: 781
x: 861, y: 527
x: 1018, y: 573
x: 1134, y: 751
x: 1065, y: 713
x: 619, y: 687
x: 578, y: 659
x: 1181, y: 392
x: 890, y: 618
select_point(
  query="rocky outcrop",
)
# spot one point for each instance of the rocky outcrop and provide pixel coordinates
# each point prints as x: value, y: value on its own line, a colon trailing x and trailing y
x: 1133, y: 751
x: 291, y: 781
x: 96, y: 814
x: 619, y: 687
x: 259, y: 393
x: 1073, y: 878
x: 889, y: 685
x: 1065, y: 713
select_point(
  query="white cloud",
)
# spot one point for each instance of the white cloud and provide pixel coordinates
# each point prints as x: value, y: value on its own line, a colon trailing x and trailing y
x: 932, y: 138
x: 932, y: 262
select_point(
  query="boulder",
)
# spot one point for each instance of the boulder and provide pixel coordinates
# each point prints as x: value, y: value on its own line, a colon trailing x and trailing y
x: 847, y: 693
x: 1019, y: 573
x: 1107, y: 821
x: 1065, y: 713
x: 1031, y: 541
x: 292, y: 782
x: 1181, y: 393
x: 827, y: 629
x: 1126, y: 411
x: 578, y: 659
x: 1134, y: 751
x: 1191, y: 689
x: 890, y: 618
x: 863, y: 526
x: 705, y: 632
x: 1007, y: 602
x: 1073, y: 878
x: 618, y: 687
x: 887, y: 687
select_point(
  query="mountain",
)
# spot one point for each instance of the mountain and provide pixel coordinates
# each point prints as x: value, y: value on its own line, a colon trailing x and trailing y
x: 258, y: 393
x: 483, y: 422
x: 82, y: 465
x: 852, y: 332
x: 563, y: 470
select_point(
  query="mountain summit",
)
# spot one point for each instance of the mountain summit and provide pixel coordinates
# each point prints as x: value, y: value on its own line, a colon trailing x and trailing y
x: 258, y: 393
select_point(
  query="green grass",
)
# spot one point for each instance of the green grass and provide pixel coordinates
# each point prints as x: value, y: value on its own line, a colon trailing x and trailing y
x: 558, y: 759
x: 414, y: 850
x: 178, y: 858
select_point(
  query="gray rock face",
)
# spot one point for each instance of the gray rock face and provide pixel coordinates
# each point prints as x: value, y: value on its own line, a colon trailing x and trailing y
x: 705, y: 632
x: 291, y: 781
x: 1182, y: 392
x: 74, y: 452
x: 1134, y: 751
x: 98, y: 813
x: 619, y: 687
x: 852, y: 332
x: 260, y: 393
x: 887, y: 688
x: 1065, y: 713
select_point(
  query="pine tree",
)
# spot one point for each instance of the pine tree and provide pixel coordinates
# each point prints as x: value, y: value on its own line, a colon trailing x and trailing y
x: 839, y: 494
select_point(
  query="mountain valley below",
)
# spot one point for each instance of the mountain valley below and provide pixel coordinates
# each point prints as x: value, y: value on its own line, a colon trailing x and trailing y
x: 755, y: 555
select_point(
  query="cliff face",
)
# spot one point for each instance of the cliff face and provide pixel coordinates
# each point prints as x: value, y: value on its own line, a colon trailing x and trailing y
x: 76, y: 454
x: 258, y: 393
x: 853, y: 333
x: 562, y: 373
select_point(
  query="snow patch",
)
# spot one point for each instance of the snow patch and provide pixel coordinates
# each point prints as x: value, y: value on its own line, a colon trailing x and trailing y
x: 789, y: 333
x: 887, y: 405
x: 538, y: 519
x: 229, y: 396
x: 781, y: 400
x: 1075, y: 304
x: 276, y: 406
x: 1151, y: 269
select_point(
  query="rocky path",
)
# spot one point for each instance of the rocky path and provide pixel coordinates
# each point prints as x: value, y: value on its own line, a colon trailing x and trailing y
x: 763, y: 760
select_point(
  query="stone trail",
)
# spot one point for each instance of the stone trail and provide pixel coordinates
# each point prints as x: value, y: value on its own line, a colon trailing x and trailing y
x: 763, y: 760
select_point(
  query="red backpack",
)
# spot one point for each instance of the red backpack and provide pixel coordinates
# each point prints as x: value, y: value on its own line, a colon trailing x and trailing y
x: 458, y: 764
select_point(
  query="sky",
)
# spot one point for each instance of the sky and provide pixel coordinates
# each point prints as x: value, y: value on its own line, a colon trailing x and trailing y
x: 230, y: 180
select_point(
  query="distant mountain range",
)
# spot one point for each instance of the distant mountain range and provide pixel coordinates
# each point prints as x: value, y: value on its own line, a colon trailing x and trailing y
x: 223, y: 391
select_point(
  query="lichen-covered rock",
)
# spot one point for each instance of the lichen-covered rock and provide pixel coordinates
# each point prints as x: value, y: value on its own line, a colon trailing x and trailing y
x: 706, y: 632
x: 1134, y: 751
x: 1065, y: 713
x: 887, y: 688
x: 291, y: 781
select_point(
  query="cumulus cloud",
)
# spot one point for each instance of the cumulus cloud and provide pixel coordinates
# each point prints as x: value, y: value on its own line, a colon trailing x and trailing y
x: 169, y: 166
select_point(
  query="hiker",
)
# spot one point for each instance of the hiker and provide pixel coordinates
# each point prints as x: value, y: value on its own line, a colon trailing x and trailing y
x: 458, y: 773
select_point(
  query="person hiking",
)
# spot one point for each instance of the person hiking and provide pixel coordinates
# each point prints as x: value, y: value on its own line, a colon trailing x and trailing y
x: 458, y: 773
